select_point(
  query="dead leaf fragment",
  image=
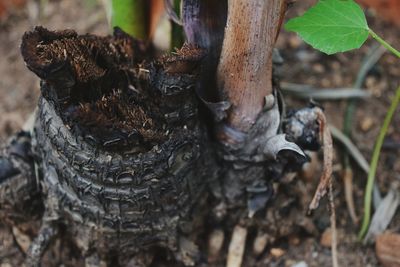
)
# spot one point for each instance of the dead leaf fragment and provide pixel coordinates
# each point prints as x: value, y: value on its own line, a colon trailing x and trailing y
x: 383, y: 214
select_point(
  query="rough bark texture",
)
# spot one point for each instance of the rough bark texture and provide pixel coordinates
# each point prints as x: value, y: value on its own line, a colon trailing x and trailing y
x: 120, y: 148
x: 245, y: 68
x: 254, y: 152
x: 125, y: 166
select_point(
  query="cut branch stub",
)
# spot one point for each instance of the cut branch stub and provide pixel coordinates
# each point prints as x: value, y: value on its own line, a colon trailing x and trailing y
x: 99, y: 86
x: 244, y: 73
x: 121, y: 152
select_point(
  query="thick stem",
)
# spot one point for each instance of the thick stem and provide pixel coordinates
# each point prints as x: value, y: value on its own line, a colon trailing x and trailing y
x: 244, y: 74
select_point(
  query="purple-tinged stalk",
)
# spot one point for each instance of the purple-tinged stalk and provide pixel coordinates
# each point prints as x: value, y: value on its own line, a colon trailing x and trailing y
x: 204, y: 22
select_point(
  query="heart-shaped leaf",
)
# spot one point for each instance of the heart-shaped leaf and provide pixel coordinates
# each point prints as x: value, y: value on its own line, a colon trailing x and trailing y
x: 332, y: 26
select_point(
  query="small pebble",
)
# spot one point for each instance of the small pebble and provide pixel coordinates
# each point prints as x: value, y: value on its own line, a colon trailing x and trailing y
x: 295, y: 41
x: 314, y: 255
x: 294, y: 240
x: 260, y: 243
x: 319, y: 68
x: 326, y: 238
x: 366, y: 124
x: 277, y: 252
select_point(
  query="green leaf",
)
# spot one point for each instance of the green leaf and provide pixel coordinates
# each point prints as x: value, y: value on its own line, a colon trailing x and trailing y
x: 332, y: 26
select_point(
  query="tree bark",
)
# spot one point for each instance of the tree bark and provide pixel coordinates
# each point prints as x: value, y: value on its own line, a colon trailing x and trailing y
x: 244, y: 73
x: 123, y: 157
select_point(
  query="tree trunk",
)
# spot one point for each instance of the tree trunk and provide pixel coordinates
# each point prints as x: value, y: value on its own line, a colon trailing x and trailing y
x: 245, y: 68
x: 126, y: 163
x: 253, y: 150
x: 124, y: 158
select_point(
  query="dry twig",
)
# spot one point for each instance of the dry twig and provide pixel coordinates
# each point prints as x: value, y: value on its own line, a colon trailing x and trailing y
x: 325, y: 183
x: 326, y: 176
x: 335, y: 262
x: 348, y: 194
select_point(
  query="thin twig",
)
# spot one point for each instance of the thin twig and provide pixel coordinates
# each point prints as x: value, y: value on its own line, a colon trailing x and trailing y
x: 335, y: 262
x: 348, y: 194
x: 350, y: 147
x: 326, y: 137
x: 325, y: 183
x: 305, y: 91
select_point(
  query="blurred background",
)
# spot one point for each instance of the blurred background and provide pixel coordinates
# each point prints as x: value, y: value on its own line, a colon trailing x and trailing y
x: 304, y: 71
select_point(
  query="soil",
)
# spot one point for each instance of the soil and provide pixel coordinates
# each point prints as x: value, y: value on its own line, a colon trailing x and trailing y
x: 19, y: 90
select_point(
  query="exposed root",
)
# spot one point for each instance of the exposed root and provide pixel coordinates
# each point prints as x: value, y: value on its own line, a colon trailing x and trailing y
x: 237, y: 247
x: 325, y: 185
x: 348, y: 193
x: 326, y: 176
